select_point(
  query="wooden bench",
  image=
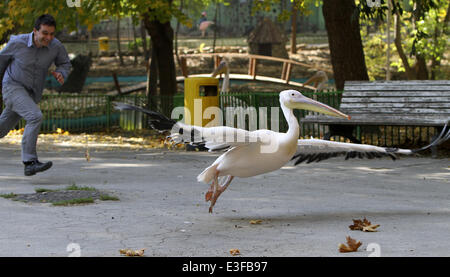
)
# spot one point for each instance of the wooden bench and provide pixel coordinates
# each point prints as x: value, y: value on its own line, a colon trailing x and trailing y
x: 389, y: 103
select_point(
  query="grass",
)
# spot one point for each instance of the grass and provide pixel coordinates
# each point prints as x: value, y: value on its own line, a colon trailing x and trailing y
x: 41, y: 190
x: 76, y: 201
x: 8, y: 196
x: 75, y: 187
x: 106, y: 197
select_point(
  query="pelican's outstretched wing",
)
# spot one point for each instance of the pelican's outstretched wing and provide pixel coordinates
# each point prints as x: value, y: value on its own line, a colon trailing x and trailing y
x: 214, y: 138
x: 316, y: 150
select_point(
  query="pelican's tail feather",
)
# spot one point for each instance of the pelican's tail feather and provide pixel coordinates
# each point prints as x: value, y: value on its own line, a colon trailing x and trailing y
x: 208, y: 174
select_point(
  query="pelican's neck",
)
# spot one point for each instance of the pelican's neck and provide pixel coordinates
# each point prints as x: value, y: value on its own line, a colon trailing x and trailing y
x: 294, y: 128
x: 226, y: 82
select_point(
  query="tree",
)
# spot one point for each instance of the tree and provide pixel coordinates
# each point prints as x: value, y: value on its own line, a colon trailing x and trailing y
x: 425, y: 36
x: 419, y: 33
x: 346, y: 49
x: 156, y: 16
x: 342, y: 24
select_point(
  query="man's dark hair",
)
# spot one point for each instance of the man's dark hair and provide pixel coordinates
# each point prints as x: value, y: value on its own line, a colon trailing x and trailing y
x: 45, y: 19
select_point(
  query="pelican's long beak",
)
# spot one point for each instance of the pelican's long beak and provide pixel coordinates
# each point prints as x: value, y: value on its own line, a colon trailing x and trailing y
x: 306, y: 103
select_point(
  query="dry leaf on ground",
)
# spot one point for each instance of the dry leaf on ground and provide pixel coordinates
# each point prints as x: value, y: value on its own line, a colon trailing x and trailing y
x: 132, y: 253
x: 87, y: 155
x: 352, y: 246
x: 363, y: 225
x: 257, y: 221
x: 235, y: 252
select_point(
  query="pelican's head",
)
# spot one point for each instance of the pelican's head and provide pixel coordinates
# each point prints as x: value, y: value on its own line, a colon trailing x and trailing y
x: 293, y: 99
x: 221, y: 69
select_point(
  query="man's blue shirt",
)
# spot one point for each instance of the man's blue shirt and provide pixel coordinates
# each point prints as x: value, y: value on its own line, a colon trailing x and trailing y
x: 27, y: 65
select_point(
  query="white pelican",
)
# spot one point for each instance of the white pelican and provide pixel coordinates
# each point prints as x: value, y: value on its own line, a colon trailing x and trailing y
x: 251, y: 153
x: 228, y: 101
x: 223, y: 68
x: 320, y: 80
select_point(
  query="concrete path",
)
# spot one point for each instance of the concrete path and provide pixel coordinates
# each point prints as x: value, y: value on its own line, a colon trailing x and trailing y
x: 305, y: 210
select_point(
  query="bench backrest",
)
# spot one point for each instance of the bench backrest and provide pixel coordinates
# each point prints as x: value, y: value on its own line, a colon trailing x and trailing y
x: 425, y: 102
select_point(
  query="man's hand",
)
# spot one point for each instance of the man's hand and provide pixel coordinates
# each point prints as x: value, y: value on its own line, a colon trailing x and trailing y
x: 58, y: 76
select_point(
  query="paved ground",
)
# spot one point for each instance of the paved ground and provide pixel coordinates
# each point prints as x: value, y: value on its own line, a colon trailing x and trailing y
x: 305, y: 210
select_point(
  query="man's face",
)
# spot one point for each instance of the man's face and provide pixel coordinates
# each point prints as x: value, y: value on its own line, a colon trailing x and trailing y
x: 44, y: 35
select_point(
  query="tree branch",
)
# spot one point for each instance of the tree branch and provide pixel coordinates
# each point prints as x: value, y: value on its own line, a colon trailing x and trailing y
x: 398, y: 44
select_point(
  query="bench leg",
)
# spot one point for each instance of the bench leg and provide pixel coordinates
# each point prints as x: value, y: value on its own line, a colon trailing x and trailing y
x: 343, y: 131
x: 434, y: 148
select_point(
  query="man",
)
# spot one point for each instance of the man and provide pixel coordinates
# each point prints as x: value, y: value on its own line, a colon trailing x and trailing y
x: 25, y: 61
x: 203, y: 24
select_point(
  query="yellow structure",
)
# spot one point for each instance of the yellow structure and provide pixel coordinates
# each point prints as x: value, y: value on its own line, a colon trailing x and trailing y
x: 200, y: 93
x: 103, y: 44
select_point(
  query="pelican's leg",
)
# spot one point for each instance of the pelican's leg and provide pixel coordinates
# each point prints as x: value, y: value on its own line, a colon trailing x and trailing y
x: 209, y: 193
x: 218, y: 191
x: 213, y: 187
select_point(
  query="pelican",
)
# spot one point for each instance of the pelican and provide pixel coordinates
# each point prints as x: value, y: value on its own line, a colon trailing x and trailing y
x: 319, y: 79
x: 232, y: 101
x: 251, y: 153
x: 223, y: 68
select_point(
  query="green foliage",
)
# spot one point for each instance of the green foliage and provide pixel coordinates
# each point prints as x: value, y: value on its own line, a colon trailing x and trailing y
x: 303, y: 7
x: 21, y: 14
x: 375, y: 54
x: 430, y: 40
x: 132, y: 44
x: 424, y: 37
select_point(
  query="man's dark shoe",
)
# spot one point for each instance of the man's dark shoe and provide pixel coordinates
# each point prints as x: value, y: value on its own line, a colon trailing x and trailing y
x: 34, y: 167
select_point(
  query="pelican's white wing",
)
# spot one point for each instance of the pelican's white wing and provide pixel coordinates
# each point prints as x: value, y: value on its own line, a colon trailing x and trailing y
x: 214, y: 138
x: 316, y: 150
x: 217, y: 138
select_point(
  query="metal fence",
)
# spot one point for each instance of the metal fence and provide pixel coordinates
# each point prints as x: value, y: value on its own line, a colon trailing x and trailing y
x: 90, y: 113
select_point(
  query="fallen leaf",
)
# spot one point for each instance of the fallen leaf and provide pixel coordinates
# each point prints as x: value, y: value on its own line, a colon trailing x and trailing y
x: 351, y: 247
x: 132, y: 253
x: 257, y: 221
x: 363, y: 225
x: 86, y: 154
x: 235, y: 252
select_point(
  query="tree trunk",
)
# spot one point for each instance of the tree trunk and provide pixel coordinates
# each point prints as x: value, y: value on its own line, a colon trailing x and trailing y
x: 294, y: 28
x: 136, y: 50
x: 144, y: 42
x: 118, y: 41
x: 398, y: 44
x: 176, y: 36
x: 215, y: 27
x: 162, y: 53
x: 347, y: 54
x: 152, y: 82
x: 421, y: 68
